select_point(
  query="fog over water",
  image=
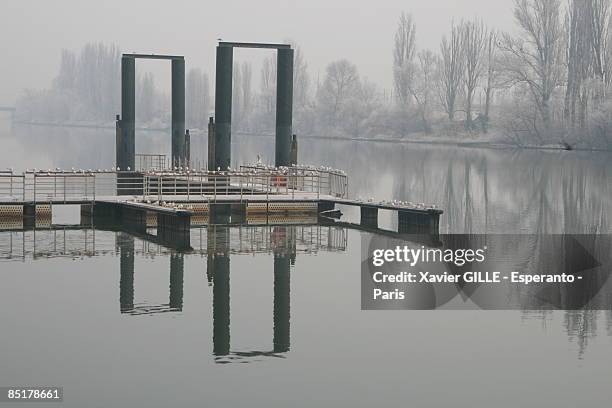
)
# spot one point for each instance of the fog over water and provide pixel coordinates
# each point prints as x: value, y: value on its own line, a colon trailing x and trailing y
x: 361, y: 31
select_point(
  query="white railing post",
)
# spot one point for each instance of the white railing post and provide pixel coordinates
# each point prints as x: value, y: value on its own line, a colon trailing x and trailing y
x: 346, y: 188
x: 160, y: 184
x: 240, y: 178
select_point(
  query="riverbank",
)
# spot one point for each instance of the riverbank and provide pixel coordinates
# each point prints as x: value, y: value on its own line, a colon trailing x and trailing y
x: 481, y: 141
x: 86, y: 125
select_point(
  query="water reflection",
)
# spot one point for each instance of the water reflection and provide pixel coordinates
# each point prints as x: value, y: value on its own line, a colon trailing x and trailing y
x: 217, y: 244
x: 480, y: 190
x: 125, y: 245
x: 220, y: 242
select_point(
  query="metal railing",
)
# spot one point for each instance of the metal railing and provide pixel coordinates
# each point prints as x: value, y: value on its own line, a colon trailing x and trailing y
x: 11, y: 186
x: 87, y: 241
x: 330, y: 181
x: 151, y: 162
x: 212, y: 185
x: 59, y: 186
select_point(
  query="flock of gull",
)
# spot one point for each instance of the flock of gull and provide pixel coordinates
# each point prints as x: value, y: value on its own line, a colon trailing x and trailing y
x: 398, y: 204
x: 245, y: 170
x: 249, y: 169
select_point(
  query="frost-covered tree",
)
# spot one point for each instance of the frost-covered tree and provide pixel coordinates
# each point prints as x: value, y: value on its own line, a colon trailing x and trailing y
x: 404, y: 51
x: 579, y: 61
x: 492, y: 69
x: 197, y: 95
x: 421, y: 87
x: 246, y: 91
x: 301, y: 81
x: 535, y: 56
x: 66, y: 77
x: 451, y: 70
x: 599, y: 30
x: 145, y: 98
x: 341, y: 84
x: 474, y: 48
x: 268, y: 85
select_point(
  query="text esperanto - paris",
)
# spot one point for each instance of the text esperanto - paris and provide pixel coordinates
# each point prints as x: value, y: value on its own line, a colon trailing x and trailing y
x: 471, y: 277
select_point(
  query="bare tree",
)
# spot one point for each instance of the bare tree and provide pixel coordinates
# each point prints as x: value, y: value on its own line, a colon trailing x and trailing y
x: 341, y: 83
x: 237, y: 116
x: 492, y: 69
x: 608, y: 54
x: 535, y: 56
x: 359, y: 107
x: 246, y: 91
x: 67, y: 72
x: 451, y: 70
x: 197, y: 95
x: 474, y: 46
x: 599, y: 18
x: 421, y: 89
x: 301, y: 80
x: 403, y: 58
x: 268, y: 85
x: 145, y: 98
x: 579, y: 57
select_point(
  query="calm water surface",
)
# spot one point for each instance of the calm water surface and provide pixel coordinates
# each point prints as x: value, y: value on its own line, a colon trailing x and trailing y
x: 118, y: 321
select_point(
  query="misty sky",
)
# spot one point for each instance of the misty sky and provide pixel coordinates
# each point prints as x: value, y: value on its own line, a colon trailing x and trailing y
x: 34, y: 32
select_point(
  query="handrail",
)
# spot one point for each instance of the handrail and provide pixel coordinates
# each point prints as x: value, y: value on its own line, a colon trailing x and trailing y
x: 146, y: 162
x: 244, y: 239
x: 333, y: 182
x: 85, y: 185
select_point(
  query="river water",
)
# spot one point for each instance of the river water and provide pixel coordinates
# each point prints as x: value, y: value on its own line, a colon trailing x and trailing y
x: 135, y: 325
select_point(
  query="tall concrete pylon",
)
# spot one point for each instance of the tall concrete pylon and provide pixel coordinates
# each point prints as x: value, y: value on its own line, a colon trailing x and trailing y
x: 223, y: 102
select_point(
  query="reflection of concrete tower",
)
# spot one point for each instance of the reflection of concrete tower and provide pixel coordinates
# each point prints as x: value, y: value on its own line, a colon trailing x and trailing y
x: 177, y: 266
x: 284, y: 254
x: 221, y: 305
x: 282, y: 303
x: 219, y: 268
x: 125, y: 243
